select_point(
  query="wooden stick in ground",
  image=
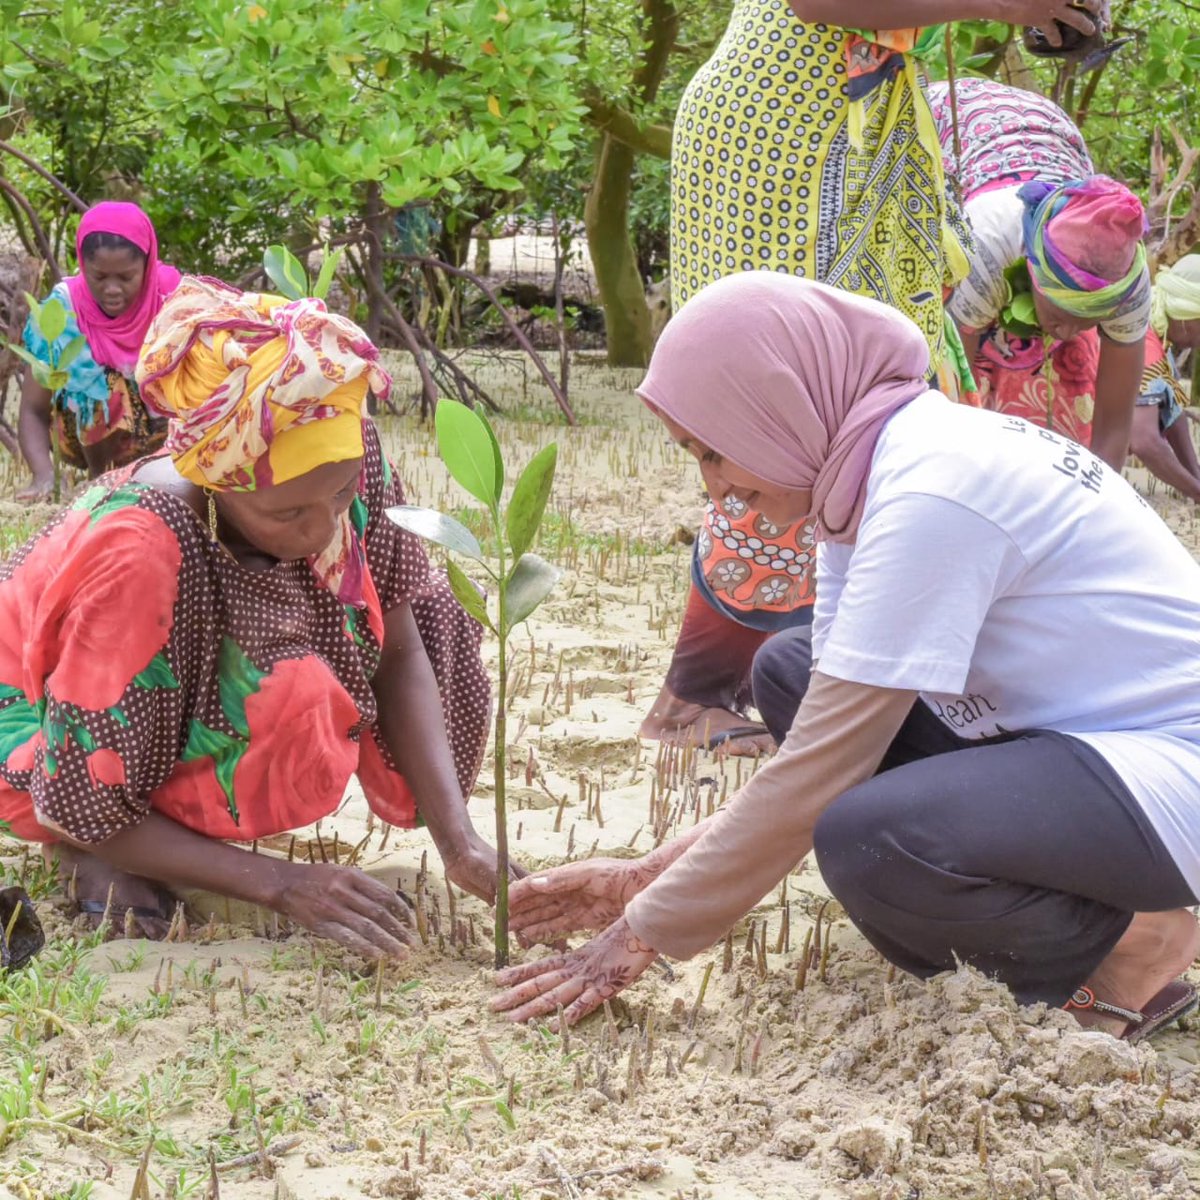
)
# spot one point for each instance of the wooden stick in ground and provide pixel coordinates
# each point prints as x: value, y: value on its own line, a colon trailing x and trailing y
x: 274, y: 1150
x: 556, y: 1169
x: 141, y: 1189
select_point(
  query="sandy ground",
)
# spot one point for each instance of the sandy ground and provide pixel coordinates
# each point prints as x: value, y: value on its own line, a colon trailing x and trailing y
x: 827, y: 1080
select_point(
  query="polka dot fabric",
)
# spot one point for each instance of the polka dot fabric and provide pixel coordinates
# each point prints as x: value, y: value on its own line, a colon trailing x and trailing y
x: 142, y: 667
x: 764, y: 175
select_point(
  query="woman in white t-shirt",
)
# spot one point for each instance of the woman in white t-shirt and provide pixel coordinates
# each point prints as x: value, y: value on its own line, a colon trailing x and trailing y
x: 997, y: 752
x: 1057, y: 303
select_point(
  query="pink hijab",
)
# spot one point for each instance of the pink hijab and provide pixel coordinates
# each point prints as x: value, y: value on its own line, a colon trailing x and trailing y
x: 117, y: 341
x: 791, y: 381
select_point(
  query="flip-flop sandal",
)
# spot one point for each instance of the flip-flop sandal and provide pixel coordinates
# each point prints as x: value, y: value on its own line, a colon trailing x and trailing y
x: 1175, y: 1001
x: 735, y: 734
x: 142, y: 912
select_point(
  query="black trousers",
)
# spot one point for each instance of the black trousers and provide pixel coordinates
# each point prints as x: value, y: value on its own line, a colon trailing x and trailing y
x: 1024, y: 856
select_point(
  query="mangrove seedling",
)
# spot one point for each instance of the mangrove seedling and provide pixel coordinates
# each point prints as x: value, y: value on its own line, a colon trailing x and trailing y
x: 519, y: 580
x: 290, y: 278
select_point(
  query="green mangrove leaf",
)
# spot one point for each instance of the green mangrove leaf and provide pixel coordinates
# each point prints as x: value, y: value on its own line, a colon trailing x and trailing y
x: 529, y: 498
x: 434, y: 526
x: 530, y: 582
x: 495, y: 451
x: 52, y: 320
x: 72, y: 351
x: 328, y: 268
x: 466, y: 448
x: 284, y: 270
x: 467, y: 594
x: 25, y: 356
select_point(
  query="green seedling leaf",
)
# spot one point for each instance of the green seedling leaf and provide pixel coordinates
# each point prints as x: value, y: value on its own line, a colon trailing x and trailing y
x: 495, y: 452
x: 529, y: 498
x: 285, y: 272
x: 25, y: 356
x: 1024, y: 309
x: 434, y: 526
x: 35, y: 309
x: 57, y: 380
x: 328, y: 268
x: 73, y: 350
x: 52, y: 320
x: 531, y: 581
x: 467, y: 594
x: 465, y: 447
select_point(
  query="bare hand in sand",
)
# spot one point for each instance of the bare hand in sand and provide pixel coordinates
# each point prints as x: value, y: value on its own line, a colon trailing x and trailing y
x: 350, y: 908
x: 472, y: 867
x: 578, y: 897
x: 577, y: 982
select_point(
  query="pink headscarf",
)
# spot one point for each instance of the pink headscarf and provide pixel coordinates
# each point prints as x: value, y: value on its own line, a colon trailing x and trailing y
x: 791, y: 381
x: 1099, y: 228
x: 117, y: 341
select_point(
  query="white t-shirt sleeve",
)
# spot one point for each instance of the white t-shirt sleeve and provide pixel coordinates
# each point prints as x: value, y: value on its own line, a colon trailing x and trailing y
x: 995, y: 219
x: 832, y: 560
x: 922, y: 576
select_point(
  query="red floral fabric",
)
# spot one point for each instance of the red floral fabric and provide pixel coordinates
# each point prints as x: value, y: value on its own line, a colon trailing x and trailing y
x: 141, y: 667
x: 1056, y: 392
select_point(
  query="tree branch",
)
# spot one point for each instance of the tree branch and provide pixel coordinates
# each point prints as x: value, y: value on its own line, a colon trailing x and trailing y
x: 428, y: 387
x: 664, y: 31
x: 506, y: 316
x: 39, y: 234
x: 79, y: 205
x: 621, y: 124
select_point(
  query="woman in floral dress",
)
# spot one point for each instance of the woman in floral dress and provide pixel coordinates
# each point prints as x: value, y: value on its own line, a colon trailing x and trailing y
x: 206, y: 646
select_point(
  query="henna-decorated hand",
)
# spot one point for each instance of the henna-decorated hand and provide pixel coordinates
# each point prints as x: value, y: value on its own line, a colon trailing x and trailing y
x: 578, y: 897
x: 579, y: 981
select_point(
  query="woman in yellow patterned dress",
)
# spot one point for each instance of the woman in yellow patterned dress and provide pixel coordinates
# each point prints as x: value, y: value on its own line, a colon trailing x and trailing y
x: 809, y: 148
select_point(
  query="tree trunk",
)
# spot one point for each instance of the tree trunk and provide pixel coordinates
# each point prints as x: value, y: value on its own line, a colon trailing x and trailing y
x: 606, y: 218
x: 376, y: 221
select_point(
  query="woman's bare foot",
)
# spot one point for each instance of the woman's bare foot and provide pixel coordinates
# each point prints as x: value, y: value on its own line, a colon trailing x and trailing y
x: 677, y: 722
x: 86, y: 881
x: 1154, y: 950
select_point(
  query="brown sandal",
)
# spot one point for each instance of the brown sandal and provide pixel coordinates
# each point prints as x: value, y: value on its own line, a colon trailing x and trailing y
x: 1176, y: 1000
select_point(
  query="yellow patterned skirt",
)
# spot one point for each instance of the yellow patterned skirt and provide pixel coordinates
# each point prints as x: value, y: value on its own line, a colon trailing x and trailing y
x: 766, y: 175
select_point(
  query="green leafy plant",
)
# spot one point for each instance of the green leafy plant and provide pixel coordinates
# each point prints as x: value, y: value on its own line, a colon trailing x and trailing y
x: 1020, y: 314
x: 290, y: 278
x: 520, y: 580
x: 51, y: 322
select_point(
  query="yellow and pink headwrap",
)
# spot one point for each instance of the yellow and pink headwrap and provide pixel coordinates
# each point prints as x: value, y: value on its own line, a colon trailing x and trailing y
x: 260, y: 391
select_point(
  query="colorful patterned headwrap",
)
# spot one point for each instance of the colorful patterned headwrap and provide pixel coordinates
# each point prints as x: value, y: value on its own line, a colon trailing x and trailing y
x: 1176, y: 294
x: 261, y: 391
x: 1094, y: 221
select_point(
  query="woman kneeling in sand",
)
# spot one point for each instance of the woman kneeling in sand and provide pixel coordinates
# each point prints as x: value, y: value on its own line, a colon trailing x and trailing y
x: 208, y: 644
x: 992, y: 739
